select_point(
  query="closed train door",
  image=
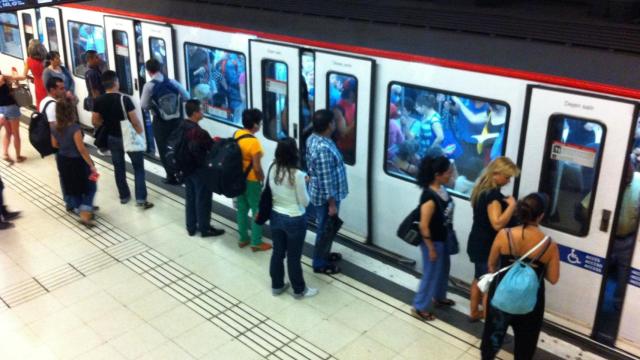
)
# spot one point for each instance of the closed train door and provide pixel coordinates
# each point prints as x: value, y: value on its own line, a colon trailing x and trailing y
x: 575, y: 151
x: 343, y: 84
x: 121, y: 47
x: 274, y: 90
x: 52, y: 32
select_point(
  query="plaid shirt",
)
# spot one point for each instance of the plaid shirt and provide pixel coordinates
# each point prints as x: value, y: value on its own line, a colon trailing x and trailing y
x: 326, y: 170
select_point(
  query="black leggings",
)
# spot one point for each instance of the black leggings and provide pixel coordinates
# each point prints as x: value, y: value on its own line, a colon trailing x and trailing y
x: 526, y: 329
x: 1, y: 195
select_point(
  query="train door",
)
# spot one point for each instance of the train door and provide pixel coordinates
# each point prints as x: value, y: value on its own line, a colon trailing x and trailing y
x: 28, y: 24
x: 121, y: 48
x: 275, y: 87
x: 343, y: 84
x: 52, y: 34
x: 575, y: 151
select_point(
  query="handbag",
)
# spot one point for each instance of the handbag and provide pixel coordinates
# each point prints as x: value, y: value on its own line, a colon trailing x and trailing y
x: 452, y: 241
x: 87, y: 103
x: 22, y: 95
x: 101, y: 136
x: 409, y: 229
x: 265, y: 206
x: 485, y: 280
x: 131, y: 140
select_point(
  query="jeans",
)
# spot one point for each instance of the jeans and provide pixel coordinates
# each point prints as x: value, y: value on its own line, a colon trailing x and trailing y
x: 137, y: 160
x: 161, y: 131
x: 249, y: 201
x: 84, y: 202
x: 288, y: 235
x: 66, y: 198
x: 148, y: 131
x: 198, y: 202
x: 322, y: 247
x: 435, y: 276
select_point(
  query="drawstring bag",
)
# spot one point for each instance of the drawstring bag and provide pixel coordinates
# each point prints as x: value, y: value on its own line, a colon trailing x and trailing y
x: 517, y: 292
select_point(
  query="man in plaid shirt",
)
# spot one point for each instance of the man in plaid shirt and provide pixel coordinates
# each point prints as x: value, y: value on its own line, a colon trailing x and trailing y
x: 327, y: 186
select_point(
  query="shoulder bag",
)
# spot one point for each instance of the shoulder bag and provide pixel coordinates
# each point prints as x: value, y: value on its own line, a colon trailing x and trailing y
x: 131, y: 140
x: 265, y: 206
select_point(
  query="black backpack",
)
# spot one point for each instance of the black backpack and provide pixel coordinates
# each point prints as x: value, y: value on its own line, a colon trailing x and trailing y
x: 40, y: 132
x: 178, y: 158
x: 225, y: 174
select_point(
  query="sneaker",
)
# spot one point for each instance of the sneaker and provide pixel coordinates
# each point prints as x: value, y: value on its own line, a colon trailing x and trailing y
x: 145, y: 205
x: 10, y: 215
x: 125, y: 200
x: 276, y: 292
x: 262, y: 247
x: 6, y: 225
x: 307, y: 293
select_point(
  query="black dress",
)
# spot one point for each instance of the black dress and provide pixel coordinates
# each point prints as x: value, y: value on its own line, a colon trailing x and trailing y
x: 482, y: 233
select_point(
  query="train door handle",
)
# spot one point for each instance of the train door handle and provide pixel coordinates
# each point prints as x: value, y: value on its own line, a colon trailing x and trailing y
x: 135, y: 84
x: 295, y: 131
x: 604, y: 222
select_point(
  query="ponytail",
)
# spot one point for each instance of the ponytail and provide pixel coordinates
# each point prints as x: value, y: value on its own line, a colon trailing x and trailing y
x: 430, y: 167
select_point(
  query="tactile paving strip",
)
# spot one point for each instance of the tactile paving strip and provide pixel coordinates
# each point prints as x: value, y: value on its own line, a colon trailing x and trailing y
x: 221, y: 309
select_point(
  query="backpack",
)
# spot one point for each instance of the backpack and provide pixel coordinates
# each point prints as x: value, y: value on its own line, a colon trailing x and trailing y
x: 225, y: 174
x: 166, y: 100
x: 517, y: 292
x: 40, y: 132
x: 178, y: 158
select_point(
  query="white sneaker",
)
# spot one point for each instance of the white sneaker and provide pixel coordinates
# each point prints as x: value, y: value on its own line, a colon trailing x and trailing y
x: 307, y: 293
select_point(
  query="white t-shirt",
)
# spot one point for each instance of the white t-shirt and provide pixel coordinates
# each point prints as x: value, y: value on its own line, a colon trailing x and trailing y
x: 51, y: 110
x: 290, y: 200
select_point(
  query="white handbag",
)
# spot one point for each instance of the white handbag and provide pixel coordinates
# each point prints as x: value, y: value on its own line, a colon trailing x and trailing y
x: 131, y: 140
x: 485, y: 280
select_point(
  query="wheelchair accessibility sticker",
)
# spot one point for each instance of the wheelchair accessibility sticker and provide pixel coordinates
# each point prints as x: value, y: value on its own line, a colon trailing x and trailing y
x: 581, y: 259
x: 634, y: 277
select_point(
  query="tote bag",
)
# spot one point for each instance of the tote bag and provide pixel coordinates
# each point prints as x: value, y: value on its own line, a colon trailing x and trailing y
x: 131, y: 140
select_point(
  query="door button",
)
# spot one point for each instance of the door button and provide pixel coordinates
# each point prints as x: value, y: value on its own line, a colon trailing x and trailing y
x: 604, y: 223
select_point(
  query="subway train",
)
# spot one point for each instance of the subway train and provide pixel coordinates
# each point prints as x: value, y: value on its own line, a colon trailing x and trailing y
x: 567, y: 115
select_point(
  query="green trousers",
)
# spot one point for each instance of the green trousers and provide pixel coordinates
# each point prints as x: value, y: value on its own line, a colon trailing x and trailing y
x: 249, y: 201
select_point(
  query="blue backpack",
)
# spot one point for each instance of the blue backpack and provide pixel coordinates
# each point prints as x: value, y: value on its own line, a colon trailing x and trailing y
x: 517, y: 292
x: 166, y: 100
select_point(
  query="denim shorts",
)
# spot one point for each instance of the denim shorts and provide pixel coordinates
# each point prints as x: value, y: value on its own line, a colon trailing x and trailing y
x: 10, y: 112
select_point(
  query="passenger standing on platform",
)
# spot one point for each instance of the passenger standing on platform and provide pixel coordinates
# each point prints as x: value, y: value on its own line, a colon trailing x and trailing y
x: 510, y: 245
x: 198, y: 196
x: 93, y: 79
x: 55, y: 69
x: 35, y: 64
x: 107, y: 111
x: 492, y: 212
x: 76, y: 168
x: 5, y: 215
x: 288, y: 220
x: 436, y: 213
x: 251, y: 156
x: 327, y: 186
x: 10, y: 117
x: 157, y: 95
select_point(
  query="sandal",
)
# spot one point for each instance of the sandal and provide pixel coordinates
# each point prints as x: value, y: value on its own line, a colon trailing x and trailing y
x: 422, y: 315
x: 331, y: 269
x: 445, y: 302
x: 243, y: 244
x: 8, y: 159
x: 476, y: 317
x: 335, y: 256
x: 21, y: 159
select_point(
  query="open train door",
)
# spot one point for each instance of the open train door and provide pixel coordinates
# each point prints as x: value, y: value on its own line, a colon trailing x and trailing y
x: 28, y: 24
x: 157, y: 42
x: 575, y: 151
x: 275, y: 83
x: 344, y: 85
x: 52, y: 34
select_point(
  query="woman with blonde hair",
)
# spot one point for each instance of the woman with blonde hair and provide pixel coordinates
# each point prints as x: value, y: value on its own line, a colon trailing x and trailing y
x: 76, y: 168
x: 35, y: 63
x: 492, y: 212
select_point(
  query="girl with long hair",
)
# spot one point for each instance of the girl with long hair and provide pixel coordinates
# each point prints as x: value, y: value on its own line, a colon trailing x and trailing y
x: 288, y: 220
x: 35, y: 64
x: 492, y: 212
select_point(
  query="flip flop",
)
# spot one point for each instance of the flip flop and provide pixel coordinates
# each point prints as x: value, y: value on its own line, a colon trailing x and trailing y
x: 422, y: 315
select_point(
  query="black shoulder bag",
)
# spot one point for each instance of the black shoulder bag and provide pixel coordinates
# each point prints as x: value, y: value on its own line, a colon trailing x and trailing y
x: 266, y: 202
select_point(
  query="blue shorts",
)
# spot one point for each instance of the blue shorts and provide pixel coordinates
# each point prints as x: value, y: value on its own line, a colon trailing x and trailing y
x: 481, y: 268
x: 10, y: 112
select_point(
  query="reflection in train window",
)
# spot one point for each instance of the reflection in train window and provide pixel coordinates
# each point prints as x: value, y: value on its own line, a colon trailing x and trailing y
x: 275, y: 100
x: 218, y: 79
x: 569, y: 169
x: 307, y: 100
x: 158, y: 50
x: 10, y: 43
x: 85, y: 37
x: 427, y: 122
x: 29, y: 31
x: 342, y: 99
x: 52, y: 34
x: 123, y: 61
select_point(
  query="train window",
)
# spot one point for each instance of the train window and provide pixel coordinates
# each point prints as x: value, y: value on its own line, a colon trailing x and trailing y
x: 159, y: 52
x: 571, y: 162
x: 29, y: 31
x: 217, y: 78
x: 307, y: 100
x: 275, y: 100
x: 342, y: 99
x: 428, y: 122
x: 123, y: 61
x: 52, y: 34
x: 85, y: 37
x: 10, y: 43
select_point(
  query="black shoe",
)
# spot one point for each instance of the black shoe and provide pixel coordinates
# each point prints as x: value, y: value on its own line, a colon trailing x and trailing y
x: 191, y: 233
x: 10, y: 215
x: 6, y: 225
x: 170, y: 181
x: 145, y: 205
x: 212, y: 232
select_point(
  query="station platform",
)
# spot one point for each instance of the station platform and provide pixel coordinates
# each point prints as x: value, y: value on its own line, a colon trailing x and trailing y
x: 136, y: 286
